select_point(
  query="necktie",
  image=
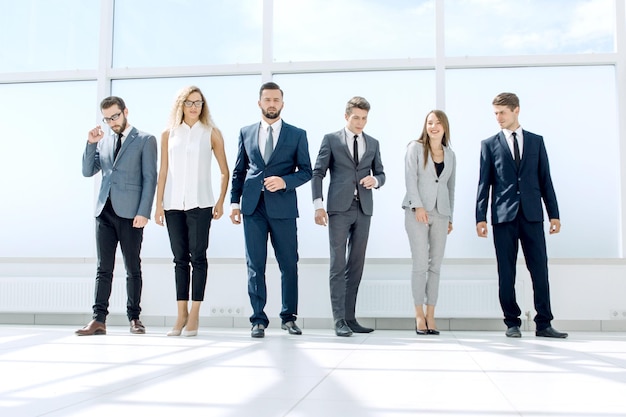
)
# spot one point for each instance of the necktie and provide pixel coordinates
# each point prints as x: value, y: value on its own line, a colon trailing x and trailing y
x: 269, y: 145
x: 516, y: 150
x: 118, y: 145
x: 355, y: 149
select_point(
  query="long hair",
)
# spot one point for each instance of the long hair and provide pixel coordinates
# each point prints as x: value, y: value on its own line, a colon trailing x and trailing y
x: 176, y: 115
x: 425, y: 139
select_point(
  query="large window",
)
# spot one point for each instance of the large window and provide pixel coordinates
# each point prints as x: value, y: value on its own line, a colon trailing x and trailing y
x: 157, y: 33
x: 66, y: 55
x: 529, y: 27
x: 321, y: 30
x: 47, y: 205
x: 42, y: 35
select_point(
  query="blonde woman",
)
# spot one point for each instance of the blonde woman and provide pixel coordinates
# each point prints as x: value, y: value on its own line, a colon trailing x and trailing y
x: 430, y: 167
x: 185, y: 199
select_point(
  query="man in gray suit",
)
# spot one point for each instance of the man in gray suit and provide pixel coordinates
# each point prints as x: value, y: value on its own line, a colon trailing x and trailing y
x: 128, y: 161
x: 353, y: 159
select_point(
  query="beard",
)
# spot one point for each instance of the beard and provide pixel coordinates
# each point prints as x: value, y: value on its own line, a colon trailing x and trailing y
x: 271, y: 114
x: 122, y: 127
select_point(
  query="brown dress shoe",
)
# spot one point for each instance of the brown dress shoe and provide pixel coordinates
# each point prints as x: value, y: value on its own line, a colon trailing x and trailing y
x: 136, y: 327
x: 92, y: 328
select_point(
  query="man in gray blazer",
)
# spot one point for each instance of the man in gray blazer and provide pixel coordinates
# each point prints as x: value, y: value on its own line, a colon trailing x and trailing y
x: 353, y: 159
x: 128, y: 161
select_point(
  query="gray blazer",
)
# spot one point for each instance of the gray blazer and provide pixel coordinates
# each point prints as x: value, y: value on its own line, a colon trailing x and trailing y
x: 423, y: 187
x: 131, y: 179
x: 345, y: 175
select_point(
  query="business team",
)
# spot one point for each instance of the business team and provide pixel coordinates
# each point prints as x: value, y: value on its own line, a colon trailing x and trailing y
x: 272, y: 161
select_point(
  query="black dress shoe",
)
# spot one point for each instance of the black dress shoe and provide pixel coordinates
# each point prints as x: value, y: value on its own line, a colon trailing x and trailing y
x: 342, y: 329
x: 433, y: 332
x: 291, y: 327
x: 513, y: 331
x: 551, y: 332
x: 421, y: 332
x: 258, y: 331
x: 357, y: 328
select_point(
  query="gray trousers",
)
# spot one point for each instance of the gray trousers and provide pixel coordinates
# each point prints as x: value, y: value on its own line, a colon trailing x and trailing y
x: 347, y: 230
x: 428, y: 243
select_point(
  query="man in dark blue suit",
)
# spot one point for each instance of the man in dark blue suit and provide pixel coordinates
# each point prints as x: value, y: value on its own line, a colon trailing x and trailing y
x: 514, y: 167
x: 272, y: 161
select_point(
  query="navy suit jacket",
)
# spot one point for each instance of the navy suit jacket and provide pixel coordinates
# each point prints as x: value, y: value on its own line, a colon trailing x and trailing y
x: 130, y: 180
x: 511, y: 189
x: 290, y: 161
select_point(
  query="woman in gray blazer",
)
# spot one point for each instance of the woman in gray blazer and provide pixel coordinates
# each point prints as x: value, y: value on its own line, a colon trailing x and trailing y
x: 430, y: 168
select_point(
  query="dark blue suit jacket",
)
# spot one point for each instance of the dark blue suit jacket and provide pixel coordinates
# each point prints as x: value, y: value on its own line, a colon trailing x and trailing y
x: 290, y: 161
x: 509, y: 188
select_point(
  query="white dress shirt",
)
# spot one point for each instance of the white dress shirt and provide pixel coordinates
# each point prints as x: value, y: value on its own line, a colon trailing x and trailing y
x: 508, y: 134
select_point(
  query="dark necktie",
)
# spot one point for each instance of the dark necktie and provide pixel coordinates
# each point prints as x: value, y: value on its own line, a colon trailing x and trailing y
x: 355, y: 149
x: 516, y: 150
x: 269, y: 145
x: 118, y: 146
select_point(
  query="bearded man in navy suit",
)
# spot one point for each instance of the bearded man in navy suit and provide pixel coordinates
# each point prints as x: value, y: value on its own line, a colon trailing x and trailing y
x: 272, y: 161
x: 514, y: 168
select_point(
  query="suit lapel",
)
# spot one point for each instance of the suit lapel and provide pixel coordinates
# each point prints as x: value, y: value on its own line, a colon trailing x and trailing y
x: 369, y: 149
x: 505, y: 149
x: 132, y: 135
x: 284, y: 133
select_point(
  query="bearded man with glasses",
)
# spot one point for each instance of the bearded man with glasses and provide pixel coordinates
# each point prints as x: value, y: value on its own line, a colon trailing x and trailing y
x: 127, y: 159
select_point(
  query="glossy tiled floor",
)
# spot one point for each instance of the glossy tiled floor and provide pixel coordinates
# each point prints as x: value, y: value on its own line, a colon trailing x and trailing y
x: 47, y: 371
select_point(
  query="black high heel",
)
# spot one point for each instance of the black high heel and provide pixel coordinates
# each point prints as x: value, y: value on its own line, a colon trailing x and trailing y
x: 420, y: 332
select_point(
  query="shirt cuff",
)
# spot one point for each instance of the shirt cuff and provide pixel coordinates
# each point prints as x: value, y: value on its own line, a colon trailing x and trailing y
x: 318, y: 203
x: 235, y: 206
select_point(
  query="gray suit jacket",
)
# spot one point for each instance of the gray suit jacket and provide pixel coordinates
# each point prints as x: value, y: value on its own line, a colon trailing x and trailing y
x: 423, y: 187
x: 131, y: 179
x: 345, y: 175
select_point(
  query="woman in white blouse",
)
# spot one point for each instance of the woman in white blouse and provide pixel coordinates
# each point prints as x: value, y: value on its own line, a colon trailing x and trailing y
x: 185, y: 199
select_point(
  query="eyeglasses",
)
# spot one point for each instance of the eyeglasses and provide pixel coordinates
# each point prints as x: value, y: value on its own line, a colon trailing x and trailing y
x: 112, y: 118
x: 197, y: 103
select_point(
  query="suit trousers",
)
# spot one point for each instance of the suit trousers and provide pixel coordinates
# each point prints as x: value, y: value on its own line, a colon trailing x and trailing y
x: 506, y: 237
x: 283, y: 235
x: 189, y: 239
x: 347, y: 230
x: 428, y: 243
x: 111, y: 230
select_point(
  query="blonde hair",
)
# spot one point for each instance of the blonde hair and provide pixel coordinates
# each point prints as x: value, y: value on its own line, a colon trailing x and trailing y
x: 176, y: 115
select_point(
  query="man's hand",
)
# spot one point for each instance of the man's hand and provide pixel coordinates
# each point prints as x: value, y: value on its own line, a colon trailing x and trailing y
x: 555, y: 226
x: 95, y: 135
x: 481, y: 229
x: 140, y: 221
x: 274, y: 184
x: 368, y: 182
x: 235, y: 216
x: 321, y: 217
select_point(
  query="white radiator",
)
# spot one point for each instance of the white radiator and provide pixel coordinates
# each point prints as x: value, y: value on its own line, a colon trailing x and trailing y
x: 457, y: 298
x: 59, y: 295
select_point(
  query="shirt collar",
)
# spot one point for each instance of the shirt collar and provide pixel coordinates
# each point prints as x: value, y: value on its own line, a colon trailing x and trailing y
x: 275, y: 126
x: 350, y: 134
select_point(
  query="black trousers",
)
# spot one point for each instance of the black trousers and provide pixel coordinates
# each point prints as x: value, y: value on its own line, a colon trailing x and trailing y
x: 189, y: 239
x: 506, y: 237
x: 112, y: 229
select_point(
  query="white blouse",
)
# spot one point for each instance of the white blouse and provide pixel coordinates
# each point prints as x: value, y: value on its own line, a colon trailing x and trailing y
x: 188, y: 182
